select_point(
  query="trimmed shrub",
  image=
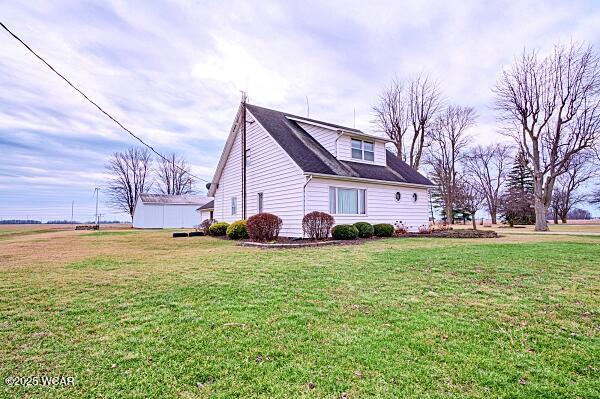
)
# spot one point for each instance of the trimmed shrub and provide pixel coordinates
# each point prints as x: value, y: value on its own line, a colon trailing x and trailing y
x: 218, y: 229
x: 179, y: 235
x: 365, y: 229
x: 383, y: 230
x: 205, y: 225
x: 424, y: 230
x: 316, y: 225
x: 344, y: 232
x: 237, y: 230
x: 263, y: 226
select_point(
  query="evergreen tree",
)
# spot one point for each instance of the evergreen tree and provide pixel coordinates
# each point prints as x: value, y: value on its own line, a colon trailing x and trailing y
x: 516, y: 204
x: 520, y: 176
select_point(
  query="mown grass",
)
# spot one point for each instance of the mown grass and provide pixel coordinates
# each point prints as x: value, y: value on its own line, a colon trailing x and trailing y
x: 150, y: 317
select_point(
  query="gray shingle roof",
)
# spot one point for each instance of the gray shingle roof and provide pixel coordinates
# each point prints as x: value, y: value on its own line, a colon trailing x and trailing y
x: 186, y: 199
x: 312, y: 157
x: 208, y: 205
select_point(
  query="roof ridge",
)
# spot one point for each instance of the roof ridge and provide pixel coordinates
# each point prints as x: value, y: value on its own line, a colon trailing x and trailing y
x: 308, y: 119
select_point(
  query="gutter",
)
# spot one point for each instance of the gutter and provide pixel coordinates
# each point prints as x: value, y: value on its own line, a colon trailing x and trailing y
x: 362, y: 179
x: 308, y: 179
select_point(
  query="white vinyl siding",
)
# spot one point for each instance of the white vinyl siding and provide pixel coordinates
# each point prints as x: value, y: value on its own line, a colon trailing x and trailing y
x: 380, y: 200
x: 272, y: 173
x: 325, y: 137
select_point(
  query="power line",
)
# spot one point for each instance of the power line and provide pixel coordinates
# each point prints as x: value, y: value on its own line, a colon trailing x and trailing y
x: 94, y: 104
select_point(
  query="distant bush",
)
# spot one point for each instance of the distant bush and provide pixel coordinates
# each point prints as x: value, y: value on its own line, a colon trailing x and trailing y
x: 218, y: 229
x: 383, y: 230
x: 205, y: 225
x: 344, y: 232
x: 316, y: 225
x: 237, y: 230
x: 365, y: 229
x: 263, y: 226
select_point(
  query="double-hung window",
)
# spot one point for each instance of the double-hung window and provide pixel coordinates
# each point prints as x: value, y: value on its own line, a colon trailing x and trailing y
x: 234, y: 205
x: 364, y: 150
x: 347, y: 201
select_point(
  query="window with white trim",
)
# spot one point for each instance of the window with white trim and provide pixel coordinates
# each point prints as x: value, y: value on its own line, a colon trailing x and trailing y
x: 248, y: 157
x: 347, y: 201
x: 364, y: 150
x: 234, y: 205
x: 260, y: 202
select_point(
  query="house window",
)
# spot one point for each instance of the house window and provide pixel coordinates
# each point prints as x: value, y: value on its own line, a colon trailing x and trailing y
x: 347, y: 201
x: 260, y: 202
x: 363, y: 150
x: 234, y: 205
x: 248, y: 157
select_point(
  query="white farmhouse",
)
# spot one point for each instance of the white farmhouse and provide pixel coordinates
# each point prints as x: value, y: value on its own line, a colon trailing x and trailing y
x: 160, y: 211
x: 295, y: 165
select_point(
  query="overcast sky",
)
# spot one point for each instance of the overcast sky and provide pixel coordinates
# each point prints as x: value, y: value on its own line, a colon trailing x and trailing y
x: 172, y: 72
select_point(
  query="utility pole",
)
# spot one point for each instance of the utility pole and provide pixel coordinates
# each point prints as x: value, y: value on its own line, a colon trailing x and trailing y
x: 97, y: 194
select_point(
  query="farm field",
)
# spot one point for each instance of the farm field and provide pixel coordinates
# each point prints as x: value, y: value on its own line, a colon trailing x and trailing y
x: 131, y: 313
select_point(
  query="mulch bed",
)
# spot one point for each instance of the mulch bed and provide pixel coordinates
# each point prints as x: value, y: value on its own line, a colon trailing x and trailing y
x: 456, y: 234
x: 284, y: 242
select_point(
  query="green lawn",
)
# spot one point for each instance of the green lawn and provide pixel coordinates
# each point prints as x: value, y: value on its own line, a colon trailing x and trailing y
x: 145, y: 316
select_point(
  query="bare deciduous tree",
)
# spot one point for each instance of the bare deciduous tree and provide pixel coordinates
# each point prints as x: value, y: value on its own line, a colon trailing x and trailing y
x: 392, y: 115
x: 470, y: 196
x: 489, y: 167
x: 130, y: 173
x: 174, y: 175
x: 552, y: 107
x: 448, y: 143
x: 405, y: 111
x: 566, y: 194
x: 424, y: 104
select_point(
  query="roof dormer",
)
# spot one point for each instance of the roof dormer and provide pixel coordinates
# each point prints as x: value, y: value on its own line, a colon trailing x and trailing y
x: 346, y: 144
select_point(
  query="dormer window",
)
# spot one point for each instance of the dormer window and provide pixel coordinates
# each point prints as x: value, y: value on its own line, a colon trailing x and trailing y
x: 364, y: 150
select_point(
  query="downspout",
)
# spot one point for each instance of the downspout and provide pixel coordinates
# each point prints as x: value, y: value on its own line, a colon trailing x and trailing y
x: 304, y: 199
x: 340, y: 133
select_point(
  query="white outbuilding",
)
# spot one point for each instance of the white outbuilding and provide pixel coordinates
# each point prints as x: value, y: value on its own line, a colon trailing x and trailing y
x: 161, y: 211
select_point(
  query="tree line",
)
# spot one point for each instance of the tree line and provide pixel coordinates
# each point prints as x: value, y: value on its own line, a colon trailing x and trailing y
x: 547, y: 105
x: 136, y: 171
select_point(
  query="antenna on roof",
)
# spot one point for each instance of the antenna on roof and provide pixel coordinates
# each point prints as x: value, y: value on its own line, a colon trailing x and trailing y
x: 307, y: 108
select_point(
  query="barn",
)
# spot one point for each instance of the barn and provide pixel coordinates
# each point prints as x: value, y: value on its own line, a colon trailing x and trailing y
x: 161, y: 211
